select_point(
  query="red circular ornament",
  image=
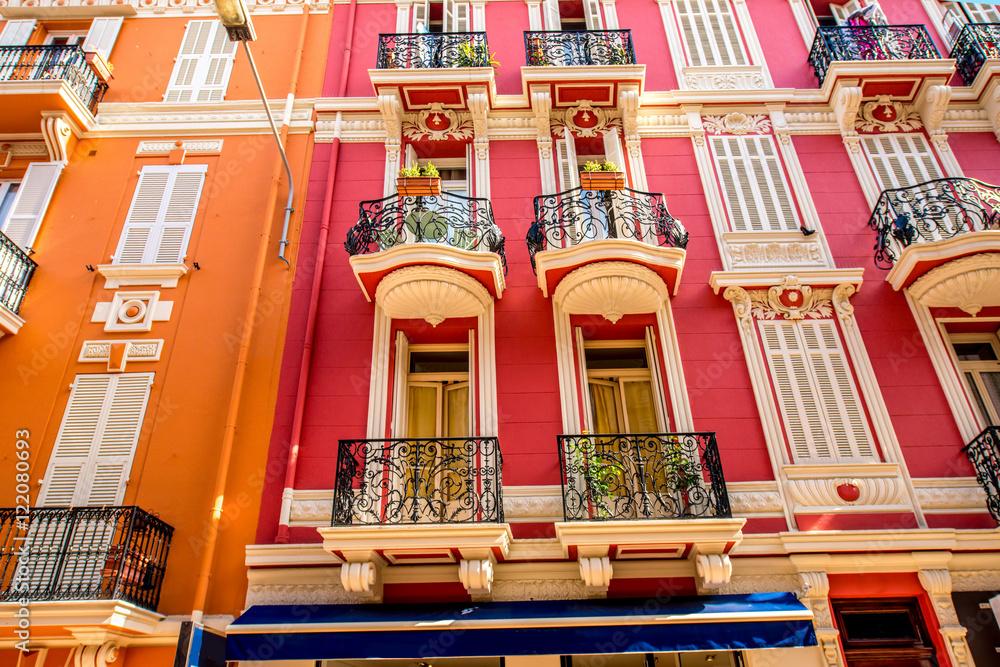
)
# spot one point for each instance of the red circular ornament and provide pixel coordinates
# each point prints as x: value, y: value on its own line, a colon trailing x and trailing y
x: 848, y: 492
x: 584, y: 118
x: 438, y: 121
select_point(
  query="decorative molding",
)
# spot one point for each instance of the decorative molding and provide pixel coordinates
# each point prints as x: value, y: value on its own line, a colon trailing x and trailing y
x: 120, y: 275
x: 25, y: 148
x: 602, y: 120
x: 842, y: 304
x: 791, y: 300
x: 760, y: 583
x: 96, y: 655
x: 949, y: 494
x: 749, y: 501
x: 975, y: 580
x: 713, y: 570
x: 313, y: 507
x: 737, y: 123
x: 539, y: 589
x: 361, y: 578
x: 57, y: 130
x: 431, y: 293
x: 895, y: 117
x: 132, y: 311
x: 301, y: 594
x: 846, y: 106
x: 932, y: 106
x: 728, y: 78
x: 230, y: 117
x: 813, y: 488
x: 392, y: 114
x: 99, y: 351
x: 937, y: 583
x: 532, y: 503
x: 476, y: 575
x: 969, y: 283
x: 611, y: 289
x: 742, y: 306
x: 596, y: 573
x: 753, y: 254
x: 437, y: 123
x: 164, y: 147
x: 815, y: 595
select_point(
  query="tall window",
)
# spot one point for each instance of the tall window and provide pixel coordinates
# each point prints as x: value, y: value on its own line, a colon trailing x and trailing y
x: 8, y: 190
x: 710, y: 33
x: 753, y: 184
x: 621, y: 387
x: 958, y: 14
x: 441, y: 16
x: 438, y: 400
x: 978, y: 358
x: 902, y: 160
x: 23, y: 205
x: 203, y: 64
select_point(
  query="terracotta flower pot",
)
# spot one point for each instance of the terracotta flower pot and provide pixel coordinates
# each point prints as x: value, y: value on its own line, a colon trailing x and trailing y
x: 419, y: 186
x: 101, y: 67
x: 602, y: 180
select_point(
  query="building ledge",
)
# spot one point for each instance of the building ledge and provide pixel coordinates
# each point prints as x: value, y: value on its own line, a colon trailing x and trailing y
x: 22, y: 104
x: 419, y: 87
x: 900, y: 79
x: 10, y: 323
x: 118, y: 275
x: 665, y: 538
x: 92, y: 617
x: 484, y: 267
x: 413, y: 543
x: 759, y: 278
x: 919, y: 259
x: 554, y: 265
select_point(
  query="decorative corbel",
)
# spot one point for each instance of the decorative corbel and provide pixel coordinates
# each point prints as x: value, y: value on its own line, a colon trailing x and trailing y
x: 477, y: 576
x: 479, y: 105
x: 741, y: 306
x: 842, y: 304
x: 392, y: 115
x: 57, y: 132
x: 596, y: 573
x: 628, y: 104
x: 815, y: 595
x: 695, y: 127
x: 932, y: 107
x: 541, y: 102
x: 937, y: 583
x: 992, y: 103
x: 846, y: 106
x: 713, y: 570
x: 362, y: 574
x: 96, y: 655
x: 780, y: 125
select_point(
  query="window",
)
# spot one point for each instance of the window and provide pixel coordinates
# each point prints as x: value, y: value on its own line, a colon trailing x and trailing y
x: 96, y: 441
x: 441, y: 16
x: 159, y: 221
x: 958, y: 14
x: 978, y: 357
x: 100, y: 37
x: 23, y: 205
x: 204, y: 62
x: 901, y: 161
x: 710, y: 34
x: 824, y: 420
x: 620, y: 384
x: 16, y: 33
x: 884, y: 631
x: 753, y: 184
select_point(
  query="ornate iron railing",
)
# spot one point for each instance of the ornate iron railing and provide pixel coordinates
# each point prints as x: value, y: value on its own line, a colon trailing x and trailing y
x: 433, y: 50
x: 576, y: 216
x: 16, y: 269
x: 984, y: 453
x: 977, y: 43
x: 69, y: 63
x: 83, y: 553
x: 642, y: 476
x: 871, y: 42
x: 591, y: 47
x: 418, y: 480
x: 449, y: 219
x: 932, y: 211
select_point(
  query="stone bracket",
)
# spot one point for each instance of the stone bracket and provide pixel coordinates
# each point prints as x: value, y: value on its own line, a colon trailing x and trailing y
x: 713, y: 570
x: 596, y: 572
x: 476, y: 575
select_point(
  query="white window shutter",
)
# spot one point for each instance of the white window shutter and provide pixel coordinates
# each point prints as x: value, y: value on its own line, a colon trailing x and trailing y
x: 421, y: 10
x: 204, y: 62
x: 710, y: 33
x: 31, y: 201
x: 16, y: 33
x: 753, y: 183
x: 552, y: 21
x: 112, y: 455
x: 653, y: 359
x: 102, y: 35
x: 592, y: 14
x: 568, y: 171
x: 613, y: 150
x: 462, y: 17
x: 841, y: 12
x: 581, y: 362
x: 159, y: 221
x: 473, y: 383
x: 901, y: 161
x: 770, y: 177
x: 399, y: 388
x: 982, y: 13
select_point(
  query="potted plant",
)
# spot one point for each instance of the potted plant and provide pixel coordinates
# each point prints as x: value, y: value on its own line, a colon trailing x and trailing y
x: 598, y: 474
x: 133, y: 566
x: 101, y: 67
x: 684, y: 474
x: 598, y: 176
x: 419, y: 181
x: 475, y: 55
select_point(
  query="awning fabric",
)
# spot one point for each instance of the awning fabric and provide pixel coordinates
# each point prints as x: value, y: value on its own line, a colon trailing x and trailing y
x: 550, y: 627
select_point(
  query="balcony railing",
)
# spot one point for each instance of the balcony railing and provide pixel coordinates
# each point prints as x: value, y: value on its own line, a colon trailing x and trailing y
x: 16, y: 269
x: 45, y: 63
x: 427, y: 480
x: 932, y: 211
x: 449, y: 219
x: 984, y: 453
x: 433, y: 50
x: 977, y: 43
x: 872, y: 42
x: 576, y: 216
x: 83, y: 553
x: 592, y: 47
x: 643, y: 476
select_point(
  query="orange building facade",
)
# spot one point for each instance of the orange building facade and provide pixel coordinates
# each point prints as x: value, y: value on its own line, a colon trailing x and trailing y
x: 142, y: 296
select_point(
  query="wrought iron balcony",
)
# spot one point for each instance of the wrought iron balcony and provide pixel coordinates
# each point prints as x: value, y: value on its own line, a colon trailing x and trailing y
x: 433, y: 50
x: 932, y: 211
x: 643, y: 476
x: 16, y: 269
x: 426, y: 480
x: 46, y: 63
x: 576, y: 216
x: 449, y: 219
x: 977, y: 43
x: 591, y: 47
x: 873, y: 42
x: 984, y: 453
x: 83, y: 553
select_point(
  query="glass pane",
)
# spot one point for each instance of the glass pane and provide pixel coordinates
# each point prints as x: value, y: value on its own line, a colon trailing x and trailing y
x: 979, y: 351
x: 619, y: 357
x: 641, y: 416
x: 7, y: 200
x: 422, y: 413
x: 455, y: 361
x: 457, y: 400
x: 604, y: 403
x: 992, y: 382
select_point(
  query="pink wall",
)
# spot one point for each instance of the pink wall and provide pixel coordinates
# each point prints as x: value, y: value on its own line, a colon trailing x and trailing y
x: 650, y: 43
x: 505, y: 26
x: 978, y: 153
x: 370, y: 20
x: 784, y: 51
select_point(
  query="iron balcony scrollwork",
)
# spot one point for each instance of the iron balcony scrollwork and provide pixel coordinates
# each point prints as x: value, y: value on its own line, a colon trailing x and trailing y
x: 576, y: 216
x: 984, y: 454
x: 932, y: 211
x: 16, y: 269
x: 433, y: 50
x: 872, y: 42
x: 977, y: 43
x: 83, y: 553
x: 590, y: 47
x: 42, y: 63
x: 450, y: 219
x: 642, y: 476
x: 418, y: 480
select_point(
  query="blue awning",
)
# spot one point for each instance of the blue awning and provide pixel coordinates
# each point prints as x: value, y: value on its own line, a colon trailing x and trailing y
x: 551, y: 627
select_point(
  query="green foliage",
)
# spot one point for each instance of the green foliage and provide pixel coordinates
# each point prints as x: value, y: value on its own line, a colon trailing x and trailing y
x: 593, y: 165
x: 476, y: 55
x: 431, y: 170
x: 415, y: 172
x: 598, y: 472
x: 409, y: 172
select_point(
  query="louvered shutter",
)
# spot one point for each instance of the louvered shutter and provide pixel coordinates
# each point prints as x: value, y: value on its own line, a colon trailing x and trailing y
x: 102, y: 35
x: 653, y: 359
x: 421, y: 10
x: 841, y: 12
x: 158, y: 225
x: 753, y: 183
x: 462, y: 17
x: 552, y: 21
x: 710, y: 33
x: 613, y: 149
x: 16, y: 33
x: 981, y: 13
x: 592, y: 14
x: 96, y: 441
x: 31, y: 201
x: 568, y: 171
x: 901, y: 160
x: 399, y: 389
x: 205, y: 59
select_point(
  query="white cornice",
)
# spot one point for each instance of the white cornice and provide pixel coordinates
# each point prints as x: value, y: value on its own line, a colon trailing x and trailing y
x: 158, y: 119
x: 77, y: 9
x: 610, y: 250
x: 768, y: 278
x: 9, y: 322
x: 913, y: 255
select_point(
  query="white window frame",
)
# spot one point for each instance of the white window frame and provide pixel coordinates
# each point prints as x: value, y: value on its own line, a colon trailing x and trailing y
x: 914, y: 173
x: 754, y: 199
x: 197, y: 88
x: 5, y: 186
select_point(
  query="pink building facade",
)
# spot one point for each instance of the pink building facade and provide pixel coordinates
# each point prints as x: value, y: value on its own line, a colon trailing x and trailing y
x: 737, y: 408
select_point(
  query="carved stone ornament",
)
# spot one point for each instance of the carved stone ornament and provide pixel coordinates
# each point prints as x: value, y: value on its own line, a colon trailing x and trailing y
x: 437, y: 123
x: 476, y: 575
x: 611, y: 289
x: 584, y: 120
x: 96, y: 655
x: 884, y: 114
x: 791, y: 300
x: 596, y: 572
x: 737, y: 123
x: 969, y: 283
x: 775, y: 254
x: 539, y: 589
x: 431, y: 293
x: 713, y: 570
